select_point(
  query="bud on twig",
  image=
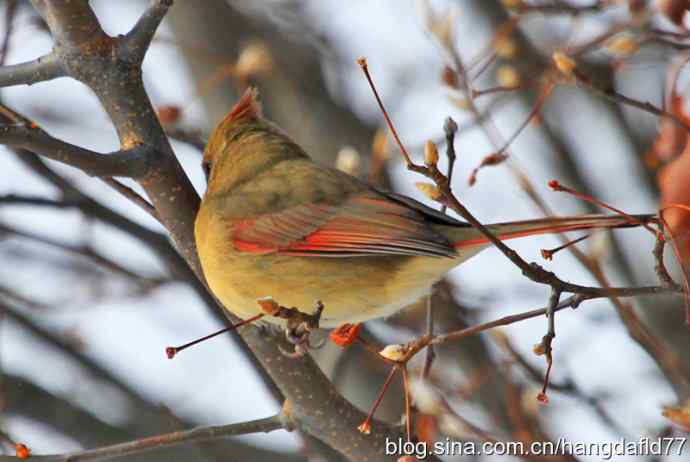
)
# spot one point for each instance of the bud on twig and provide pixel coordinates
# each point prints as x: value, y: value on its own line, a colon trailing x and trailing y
x: 347, y: 160
x: 442, y: 26
x: 254, y: 59
x: 679, y: 415
x: 394, y: 352
x: 505, y: 46
x: 507, y: 76
x: 429, y: 190
x: 450, y: 126
x: 539, y: 349
x: 430, y: 154
x: 564, y: 63
x: 449, y: 77
x: 511, y: 4
x: 460, y: 103
x: 624, y: 45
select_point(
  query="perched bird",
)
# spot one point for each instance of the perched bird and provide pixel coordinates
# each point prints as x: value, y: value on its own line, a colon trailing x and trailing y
x: 273, y: 223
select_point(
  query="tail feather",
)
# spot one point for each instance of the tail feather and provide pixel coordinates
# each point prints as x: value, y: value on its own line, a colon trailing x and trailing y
x: 553, y: 225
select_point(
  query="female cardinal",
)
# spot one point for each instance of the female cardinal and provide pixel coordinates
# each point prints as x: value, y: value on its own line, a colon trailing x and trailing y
x: 273, y: 223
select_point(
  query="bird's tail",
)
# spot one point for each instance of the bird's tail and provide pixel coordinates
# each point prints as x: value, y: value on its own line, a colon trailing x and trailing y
x: 553, y: 225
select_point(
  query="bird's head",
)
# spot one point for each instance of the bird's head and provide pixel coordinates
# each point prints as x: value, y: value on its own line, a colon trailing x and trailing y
x: 244, y: 144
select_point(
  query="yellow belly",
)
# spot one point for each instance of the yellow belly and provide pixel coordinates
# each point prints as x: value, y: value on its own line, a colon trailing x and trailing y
x: 351, y: 289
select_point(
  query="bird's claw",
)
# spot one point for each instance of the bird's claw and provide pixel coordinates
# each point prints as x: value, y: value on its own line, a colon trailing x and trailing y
x: 298, y: 331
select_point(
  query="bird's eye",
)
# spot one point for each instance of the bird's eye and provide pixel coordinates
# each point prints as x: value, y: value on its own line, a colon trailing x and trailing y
x: 206, y: 166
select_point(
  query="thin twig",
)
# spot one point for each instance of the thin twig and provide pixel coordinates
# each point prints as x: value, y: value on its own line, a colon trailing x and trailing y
x: 498, y: 89
x: 430, y: 354
x: 612, y: 95
x: 363, y: 64
x: 87, y: 252
x: 571, y: 302
x: 166, y: 440
x: 665, y: 358
x: 567, y: 386
x: 556, y: 186
x: 561, y: 8
x: 450, y: 129
x: 133, y: 196
x: 544, y: 94
x: 408, y: 403
x: 662, y: 273
x: 190, y: 137
x: 14, y: 199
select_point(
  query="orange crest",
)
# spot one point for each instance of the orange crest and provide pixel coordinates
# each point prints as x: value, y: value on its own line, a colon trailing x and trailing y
x: 247, y: 107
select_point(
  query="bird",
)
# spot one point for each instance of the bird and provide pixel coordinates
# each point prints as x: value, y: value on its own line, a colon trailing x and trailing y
x: 274, y: 223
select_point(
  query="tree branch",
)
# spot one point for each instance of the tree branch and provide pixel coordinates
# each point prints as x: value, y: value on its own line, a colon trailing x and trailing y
x: 39, y: 70
x: 86, y: 251
x: 72, y: 23
x: 612, y: 95
x: 195, y: 435
x: 133, y: 196
x: 15, y: 199
x: 137, y: 41
x: 131, y: 163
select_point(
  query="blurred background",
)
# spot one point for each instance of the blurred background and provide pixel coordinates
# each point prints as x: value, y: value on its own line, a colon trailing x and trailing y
x: 87, y: 308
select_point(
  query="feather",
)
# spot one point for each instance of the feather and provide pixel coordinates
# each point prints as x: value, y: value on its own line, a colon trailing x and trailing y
x: 505, y: 231
x: 247, y: 107
x: 363, y: 225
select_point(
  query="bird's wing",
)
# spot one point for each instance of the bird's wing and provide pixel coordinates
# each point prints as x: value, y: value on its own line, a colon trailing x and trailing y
x: 364, y: 224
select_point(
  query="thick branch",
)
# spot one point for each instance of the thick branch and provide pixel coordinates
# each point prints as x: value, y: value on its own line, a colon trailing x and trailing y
x: 44, y: 68
x: 72, y: 23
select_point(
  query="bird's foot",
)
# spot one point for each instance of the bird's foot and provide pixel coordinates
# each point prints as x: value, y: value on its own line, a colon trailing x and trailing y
x: 299, y: 326
x: 302, y: 345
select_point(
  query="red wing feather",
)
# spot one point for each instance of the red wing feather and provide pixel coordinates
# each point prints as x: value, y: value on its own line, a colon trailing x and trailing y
x: 362, y: 226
